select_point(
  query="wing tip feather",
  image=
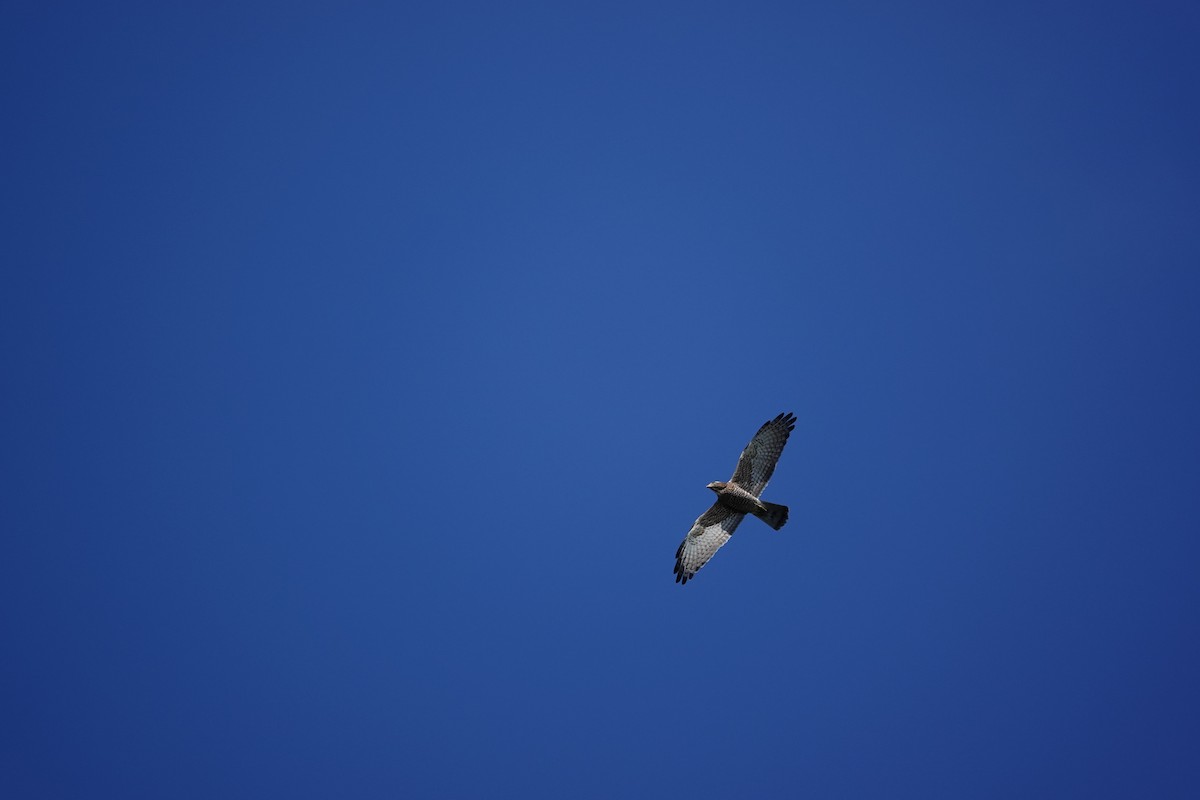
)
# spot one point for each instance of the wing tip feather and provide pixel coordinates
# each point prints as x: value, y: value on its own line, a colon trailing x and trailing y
x: 786, y: 418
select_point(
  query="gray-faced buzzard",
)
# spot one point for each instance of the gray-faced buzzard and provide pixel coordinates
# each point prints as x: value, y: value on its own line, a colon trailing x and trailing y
x: 736, y: 498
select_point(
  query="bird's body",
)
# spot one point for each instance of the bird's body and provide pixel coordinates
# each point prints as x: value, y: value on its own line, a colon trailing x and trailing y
x: 736, y: 498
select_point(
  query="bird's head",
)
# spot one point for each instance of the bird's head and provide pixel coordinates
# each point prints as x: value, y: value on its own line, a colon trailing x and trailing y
x: 717, y: 486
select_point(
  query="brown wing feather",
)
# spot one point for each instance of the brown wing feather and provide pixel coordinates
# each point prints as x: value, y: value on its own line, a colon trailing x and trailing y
x: 711, y: 530
x: 757, y: 462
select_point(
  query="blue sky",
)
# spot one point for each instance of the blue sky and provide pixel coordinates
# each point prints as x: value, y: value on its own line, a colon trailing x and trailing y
x: 365, y: 365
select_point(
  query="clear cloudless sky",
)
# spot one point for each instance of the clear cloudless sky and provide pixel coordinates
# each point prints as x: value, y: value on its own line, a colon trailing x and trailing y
x: 364, y: 365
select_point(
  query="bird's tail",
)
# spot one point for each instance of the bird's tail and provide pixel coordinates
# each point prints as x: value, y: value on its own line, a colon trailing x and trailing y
x: 775, y: 515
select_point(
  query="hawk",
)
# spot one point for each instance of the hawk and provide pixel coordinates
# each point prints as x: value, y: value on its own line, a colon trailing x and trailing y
x: 736, y: 498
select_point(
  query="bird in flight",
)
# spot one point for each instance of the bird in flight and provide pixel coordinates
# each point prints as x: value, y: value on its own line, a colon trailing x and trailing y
x: 736, y: 498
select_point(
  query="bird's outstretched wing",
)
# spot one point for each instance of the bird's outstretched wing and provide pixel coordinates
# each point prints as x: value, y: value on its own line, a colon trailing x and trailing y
x: 757, y: 462
x: 712, y: 529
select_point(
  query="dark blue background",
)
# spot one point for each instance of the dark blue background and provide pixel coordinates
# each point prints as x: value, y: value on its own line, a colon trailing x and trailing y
x: 364, y: 365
